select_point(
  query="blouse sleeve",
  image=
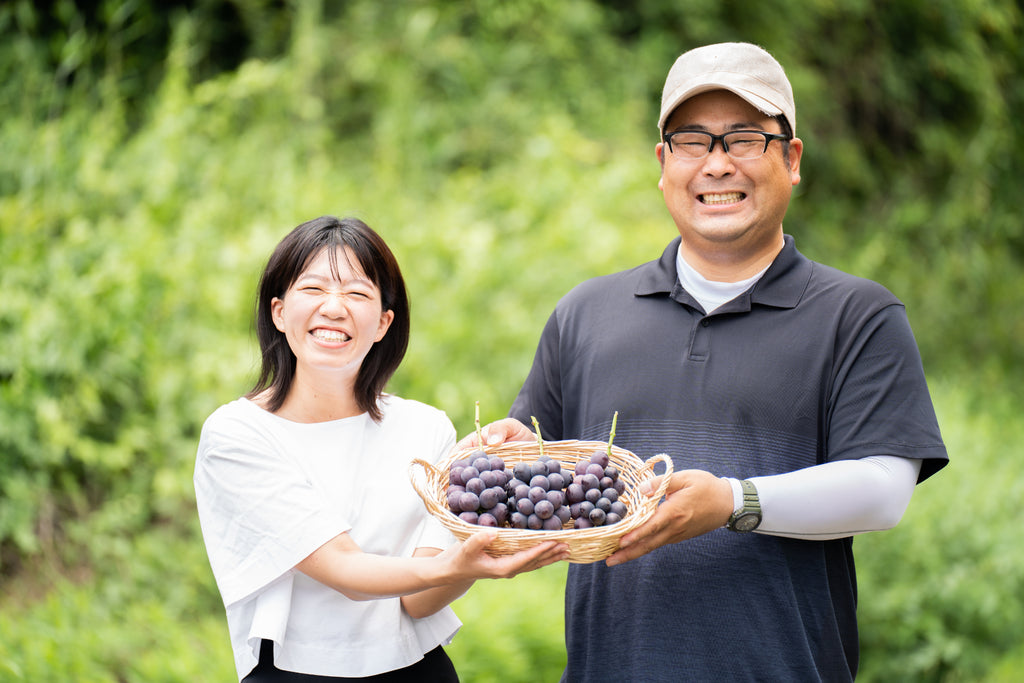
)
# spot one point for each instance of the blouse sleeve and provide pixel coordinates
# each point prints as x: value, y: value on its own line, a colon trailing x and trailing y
x: 259, y: 515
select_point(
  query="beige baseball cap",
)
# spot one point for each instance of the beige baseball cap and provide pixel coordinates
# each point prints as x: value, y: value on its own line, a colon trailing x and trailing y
x: 744, y: 69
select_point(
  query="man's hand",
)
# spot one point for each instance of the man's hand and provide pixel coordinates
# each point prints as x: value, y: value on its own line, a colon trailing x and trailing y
x: 696, y: 502
x: 497, y: 433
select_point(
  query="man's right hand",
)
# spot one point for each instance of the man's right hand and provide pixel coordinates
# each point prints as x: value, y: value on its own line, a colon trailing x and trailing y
x: 497, y: 433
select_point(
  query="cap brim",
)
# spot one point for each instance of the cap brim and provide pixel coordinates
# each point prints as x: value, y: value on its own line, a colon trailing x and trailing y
x: 681, y: 95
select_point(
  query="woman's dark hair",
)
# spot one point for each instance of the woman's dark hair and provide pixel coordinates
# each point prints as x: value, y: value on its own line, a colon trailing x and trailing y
x: 291, y: 257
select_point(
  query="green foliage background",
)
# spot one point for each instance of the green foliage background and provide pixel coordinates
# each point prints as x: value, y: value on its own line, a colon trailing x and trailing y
x: 151, y: 155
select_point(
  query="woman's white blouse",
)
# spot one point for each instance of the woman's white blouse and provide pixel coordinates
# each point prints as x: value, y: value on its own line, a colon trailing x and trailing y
x: 271, y: 491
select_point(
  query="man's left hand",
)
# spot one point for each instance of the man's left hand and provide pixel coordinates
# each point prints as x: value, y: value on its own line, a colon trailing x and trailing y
x: 696, y: 502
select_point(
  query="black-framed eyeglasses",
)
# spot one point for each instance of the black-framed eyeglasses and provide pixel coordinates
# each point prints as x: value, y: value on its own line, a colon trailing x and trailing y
x: 738, y: 144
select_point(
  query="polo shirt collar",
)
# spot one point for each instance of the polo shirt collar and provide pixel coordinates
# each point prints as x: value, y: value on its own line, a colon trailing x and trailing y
x: 782, y: 285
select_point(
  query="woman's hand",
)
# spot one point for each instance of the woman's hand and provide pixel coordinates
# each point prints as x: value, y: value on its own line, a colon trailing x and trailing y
x: 469, y: 559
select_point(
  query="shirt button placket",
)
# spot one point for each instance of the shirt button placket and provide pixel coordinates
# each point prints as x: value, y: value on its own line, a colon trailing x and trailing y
x: 700, y: 341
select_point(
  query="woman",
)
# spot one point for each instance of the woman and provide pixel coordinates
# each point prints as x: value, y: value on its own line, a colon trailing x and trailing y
x: 329, y: 566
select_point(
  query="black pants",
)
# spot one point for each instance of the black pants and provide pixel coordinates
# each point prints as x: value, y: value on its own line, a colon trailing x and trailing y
x: 435, y: 667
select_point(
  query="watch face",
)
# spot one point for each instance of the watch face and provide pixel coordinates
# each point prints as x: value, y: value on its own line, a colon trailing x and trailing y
x: 747, y: 522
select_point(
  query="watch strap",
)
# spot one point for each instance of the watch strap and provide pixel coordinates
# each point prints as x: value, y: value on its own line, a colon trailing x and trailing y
x: 748, y: 516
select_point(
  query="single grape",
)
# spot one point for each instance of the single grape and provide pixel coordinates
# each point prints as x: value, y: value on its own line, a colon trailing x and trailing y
x: 620, y: 486
x: 537, y: 469
x: 619, y: 508
x: 455, y: 501
x: 544, y: 509
x: 469, y: 517
x: 489, y: 478
x: 586, y: 507
x: 500, y: 478
x: 517, y: 520
x: 468, y: 473
x: 598, y: 516
x: 488, y: 499
x: 500, y: 513
x: 589, y: 481
x: 605, y: 483
x: 563, y: 514
x: 500, y: 493
x: 610, y: 493
x: 525, y: 506
x: 522, y: 471
x: 476, y: 485
x: 497, y: 464
x: 581, y: 467
x: 537, y: 494
x: 541, y: 481
x: 612, y: 472
x: 522, y: 491
x: 592, y: 495
x: 463, y: 462
x: 552, y: 524
x: 612, y: 518
x: 455, y: 475
x: 482, y: 463
x: 554, y: 467
x: 534, y: 522
x: 557, y: 498
x: 595, y: 469
x: 574, y: 510
x: 555, y: 481
x: 599, y: 458
x: 469, y: 502
x: 574, y: 493
x: 602, y: 504
x: 582, y: 523
x: 487, y: 519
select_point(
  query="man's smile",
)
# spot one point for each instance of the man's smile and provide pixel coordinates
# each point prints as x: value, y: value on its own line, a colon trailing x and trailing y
x: 721, y: 197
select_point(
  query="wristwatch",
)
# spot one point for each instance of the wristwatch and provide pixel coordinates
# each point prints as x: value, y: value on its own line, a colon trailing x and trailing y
x: 748, y: 517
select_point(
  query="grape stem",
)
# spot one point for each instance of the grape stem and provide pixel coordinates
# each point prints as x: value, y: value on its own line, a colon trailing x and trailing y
x: 611, y: 437
x: 540, y: 441
x: 479, y: 434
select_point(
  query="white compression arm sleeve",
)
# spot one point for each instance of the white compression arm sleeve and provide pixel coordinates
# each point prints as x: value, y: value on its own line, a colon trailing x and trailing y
x: 835, y: 499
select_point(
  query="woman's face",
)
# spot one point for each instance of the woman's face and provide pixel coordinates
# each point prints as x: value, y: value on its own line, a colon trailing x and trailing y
x: 331, y: 319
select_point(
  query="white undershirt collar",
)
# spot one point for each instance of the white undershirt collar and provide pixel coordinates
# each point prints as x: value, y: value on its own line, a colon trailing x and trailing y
x: 708, y: 293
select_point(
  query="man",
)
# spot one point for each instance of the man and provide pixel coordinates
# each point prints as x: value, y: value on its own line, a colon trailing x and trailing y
x: 789, y: 395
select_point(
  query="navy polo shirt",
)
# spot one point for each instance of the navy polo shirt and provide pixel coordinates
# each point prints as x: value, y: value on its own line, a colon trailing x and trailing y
x: 808, y: 366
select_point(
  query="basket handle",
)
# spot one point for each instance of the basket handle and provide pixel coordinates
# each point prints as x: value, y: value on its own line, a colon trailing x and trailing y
x: 669, y: 468
x: 416, y: 484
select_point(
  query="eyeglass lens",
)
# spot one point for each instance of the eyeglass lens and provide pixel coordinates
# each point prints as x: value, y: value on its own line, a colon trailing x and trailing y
x: 737, y: 144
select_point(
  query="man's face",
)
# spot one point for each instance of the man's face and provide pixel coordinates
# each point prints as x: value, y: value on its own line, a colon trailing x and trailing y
x: 724, y: 206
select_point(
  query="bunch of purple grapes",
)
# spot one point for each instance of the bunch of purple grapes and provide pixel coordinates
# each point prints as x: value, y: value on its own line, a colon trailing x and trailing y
x: 477, y: 489
x: 536, y: 495
x: 594, y: 492
x: 539, y: 495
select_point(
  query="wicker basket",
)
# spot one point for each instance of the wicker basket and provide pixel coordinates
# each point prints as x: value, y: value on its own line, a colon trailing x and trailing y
x: 585, y: 545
